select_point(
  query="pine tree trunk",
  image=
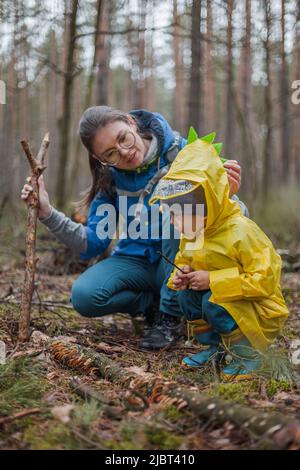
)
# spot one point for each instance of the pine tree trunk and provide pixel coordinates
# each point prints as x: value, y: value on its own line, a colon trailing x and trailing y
x: 139, y: 98
x: 102, y: 55
x: 229, y: 115
x: 179, y: 95
x: 65, y: 121
x: 245, y: 114
x: 98, y: 47
x: 209, y: 84
x: 296, y: 171
x: 267, y: 147
x: 284, y: 100
x: 195, y: 112
x: 149, y: 95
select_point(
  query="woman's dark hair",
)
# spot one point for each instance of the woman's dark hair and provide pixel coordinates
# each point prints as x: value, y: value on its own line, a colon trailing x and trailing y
x: 92, y: 120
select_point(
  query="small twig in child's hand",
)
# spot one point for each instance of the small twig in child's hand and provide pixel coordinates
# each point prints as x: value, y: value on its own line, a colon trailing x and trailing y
x: 171, y: 262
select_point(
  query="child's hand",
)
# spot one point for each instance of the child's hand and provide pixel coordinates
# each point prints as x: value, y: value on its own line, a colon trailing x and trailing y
x: 180, y: 280
x: 198, y: 280
x: 233, y: 170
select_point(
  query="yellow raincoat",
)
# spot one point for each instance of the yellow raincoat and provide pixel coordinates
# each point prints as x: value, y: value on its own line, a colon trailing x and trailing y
x: 243, y: 264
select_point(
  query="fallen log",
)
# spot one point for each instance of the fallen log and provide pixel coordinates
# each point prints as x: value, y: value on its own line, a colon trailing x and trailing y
x: 270, y: 430
x: 86, y: 360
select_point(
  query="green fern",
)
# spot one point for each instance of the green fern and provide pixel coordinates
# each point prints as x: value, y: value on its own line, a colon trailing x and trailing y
x: 277, y: 365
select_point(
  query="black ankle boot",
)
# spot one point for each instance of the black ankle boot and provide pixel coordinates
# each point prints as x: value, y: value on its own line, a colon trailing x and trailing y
x: 164, y: 331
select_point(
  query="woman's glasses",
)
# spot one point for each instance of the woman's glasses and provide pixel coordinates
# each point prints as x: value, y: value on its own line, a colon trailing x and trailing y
x: 113, y: 157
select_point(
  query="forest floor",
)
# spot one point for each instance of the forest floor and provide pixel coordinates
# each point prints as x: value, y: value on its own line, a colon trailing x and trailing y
x: 55, y: 416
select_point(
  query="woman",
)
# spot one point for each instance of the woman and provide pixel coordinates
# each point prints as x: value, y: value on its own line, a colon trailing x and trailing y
x: 128, y: 154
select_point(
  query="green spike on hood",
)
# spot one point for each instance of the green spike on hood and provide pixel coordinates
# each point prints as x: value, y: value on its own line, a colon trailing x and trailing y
x: 209, y: 137
x: 192, y: 135
x: 218, y: 147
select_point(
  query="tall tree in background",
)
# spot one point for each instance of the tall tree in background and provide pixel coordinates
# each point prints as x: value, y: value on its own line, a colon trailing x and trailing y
x: 64, y: 122
x: 297, y: 106
x: 53, y: 101
x: 179, y: 95
x: 10, y: 121
x: 101, y: 84
x: 267, y: 147
x: 209, y: 83
x: 136, y: 54
x: 244, y: 106
x: 229, y: 114
x: 286, y: 155
x: 246, y: 63
x: 149, y: 86
x: 137, y: 42
x: 102, y: 52
x: 195, y: 111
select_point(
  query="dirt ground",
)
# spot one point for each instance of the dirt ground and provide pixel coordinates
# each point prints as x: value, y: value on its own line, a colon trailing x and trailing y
x: 39, y: 408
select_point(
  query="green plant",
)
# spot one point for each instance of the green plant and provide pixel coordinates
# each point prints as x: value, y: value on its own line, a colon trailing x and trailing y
x: 21, y: 384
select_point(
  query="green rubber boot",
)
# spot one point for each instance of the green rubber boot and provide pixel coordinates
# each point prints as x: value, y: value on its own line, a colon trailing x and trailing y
x: 245, y: 360
x: 205, y: 335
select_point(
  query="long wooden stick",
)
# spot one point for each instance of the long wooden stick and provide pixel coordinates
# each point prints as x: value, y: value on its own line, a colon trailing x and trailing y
x: 37, y: 168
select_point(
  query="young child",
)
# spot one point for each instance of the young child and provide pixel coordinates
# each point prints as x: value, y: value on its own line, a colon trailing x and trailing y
x: 230, y: 289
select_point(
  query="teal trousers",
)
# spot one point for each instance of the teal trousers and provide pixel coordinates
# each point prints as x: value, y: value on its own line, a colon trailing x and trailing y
x: 127, y: 284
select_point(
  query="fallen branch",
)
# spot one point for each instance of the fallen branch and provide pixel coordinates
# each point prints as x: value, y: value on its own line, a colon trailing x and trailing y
x: 42, y: 304
x: 86, y: 360
x: 21, y: 414
x: 109, y: 407
x: 272, y: 430
x: 87, y: 393
x: 37, y: 168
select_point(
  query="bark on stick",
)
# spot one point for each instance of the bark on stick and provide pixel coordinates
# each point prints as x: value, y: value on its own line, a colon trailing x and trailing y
x: 37, y: 168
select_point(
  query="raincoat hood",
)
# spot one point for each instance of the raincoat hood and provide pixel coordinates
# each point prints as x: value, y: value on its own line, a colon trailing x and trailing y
x: 198, y: 164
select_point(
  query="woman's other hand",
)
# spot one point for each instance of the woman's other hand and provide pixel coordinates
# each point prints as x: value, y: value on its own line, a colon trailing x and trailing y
x: 233, y: 170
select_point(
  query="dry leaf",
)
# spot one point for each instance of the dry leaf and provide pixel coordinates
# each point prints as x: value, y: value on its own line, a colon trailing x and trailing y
x: 107, y: 348
x: 28, y: 352
x: 261, y: 403
x: 52, y: 375
x: 39, y: 338
x: 62, y: 413
x: 140, y: 371
x: 66, y: 339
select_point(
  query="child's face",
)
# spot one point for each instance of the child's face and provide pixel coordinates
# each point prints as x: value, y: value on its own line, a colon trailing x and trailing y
x: 187, y: 224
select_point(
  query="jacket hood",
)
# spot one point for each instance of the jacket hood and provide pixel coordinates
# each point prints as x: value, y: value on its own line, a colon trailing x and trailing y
x: 199, y: 164
x: 156, y: 123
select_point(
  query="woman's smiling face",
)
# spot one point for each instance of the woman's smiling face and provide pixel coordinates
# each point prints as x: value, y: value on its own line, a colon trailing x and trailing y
x: 106, y: 145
